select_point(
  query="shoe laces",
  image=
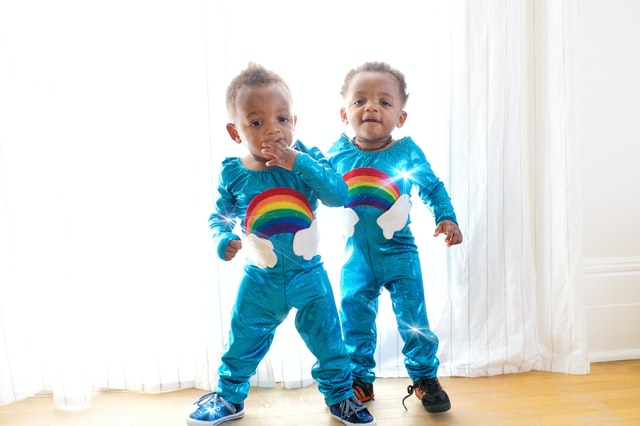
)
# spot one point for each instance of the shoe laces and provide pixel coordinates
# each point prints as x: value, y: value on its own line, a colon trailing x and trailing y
x: 215, y: 399
x: 427, y: 385
x: 351, y: 406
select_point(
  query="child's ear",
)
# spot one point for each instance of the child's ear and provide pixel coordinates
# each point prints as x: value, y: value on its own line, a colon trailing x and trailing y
x: 344, y: 116
x: 233, y: 132
x: 401, y: 119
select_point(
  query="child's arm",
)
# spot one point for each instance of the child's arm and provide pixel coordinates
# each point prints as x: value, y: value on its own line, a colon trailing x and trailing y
x: 222, y: 222
x: 434, y: 194
x: 430, y: 188
x: 312, y: 166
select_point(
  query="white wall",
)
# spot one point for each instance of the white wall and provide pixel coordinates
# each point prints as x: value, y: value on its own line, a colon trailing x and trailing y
x: 609, y: 129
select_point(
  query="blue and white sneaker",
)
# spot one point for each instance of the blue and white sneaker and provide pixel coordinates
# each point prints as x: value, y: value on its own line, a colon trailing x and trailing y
x: 352, y: 412
x: 213, y: 410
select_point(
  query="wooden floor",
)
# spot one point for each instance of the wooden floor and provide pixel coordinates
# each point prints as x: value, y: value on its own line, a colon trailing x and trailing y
x: 609, y: 395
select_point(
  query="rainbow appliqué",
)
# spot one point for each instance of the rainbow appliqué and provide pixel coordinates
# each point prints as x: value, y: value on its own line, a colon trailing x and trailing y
x: 370, y: 187
x: 278, y: 211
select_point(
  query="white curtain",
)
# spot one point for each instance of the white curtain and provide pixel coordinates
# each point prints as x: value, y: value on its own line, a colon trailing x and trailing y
x: 112, y: 128
x: 515, y: 287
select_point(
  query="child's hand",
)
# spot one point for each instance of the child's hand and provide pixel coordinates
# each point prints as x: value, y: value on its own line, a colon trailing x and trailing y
x: 282, y: 154
x: 451, y: 230
x: 232, y: 249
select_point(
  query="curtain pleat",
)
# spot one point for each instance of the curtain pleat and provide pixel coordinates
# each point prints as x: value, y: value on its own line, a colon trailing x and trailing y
x: 560, y: 290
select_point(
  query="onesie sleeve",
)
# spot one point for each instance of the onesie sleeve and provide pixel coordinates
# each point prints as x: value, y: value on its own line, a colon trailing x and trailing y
x: 224, y: 219
x: 314, y: 169
x: 431, y: 189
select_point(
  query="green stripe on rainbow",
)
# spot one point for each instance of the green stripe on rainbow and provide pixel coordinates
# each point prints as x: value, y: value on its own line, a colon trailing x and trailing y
x: 277, y: 211
x: 370, y: 187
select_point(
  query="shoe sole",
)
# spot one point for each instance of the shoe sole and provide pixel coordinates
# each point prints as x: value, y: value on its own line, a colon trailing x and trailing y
x: 343, y: 421
x: 438, y: 408
x: 194, y: 422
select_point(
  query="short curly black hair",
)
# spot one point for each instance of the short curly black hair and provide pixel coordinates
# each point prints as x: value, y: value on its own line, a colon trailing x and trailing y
x: 381, y: 67
x: 254, y: 75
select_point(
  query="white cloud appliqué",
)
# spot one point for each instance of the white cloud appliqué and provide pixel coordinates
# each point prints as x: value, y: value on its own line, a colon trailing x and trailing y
x: 349, y: 220
x: 396, y: 217
x: 306, y: 241
x: 260, y: 251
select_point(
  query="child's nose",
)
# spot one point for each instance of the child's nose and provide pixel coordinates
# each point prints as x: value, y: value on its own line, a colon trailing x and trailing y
x: 272, y: 127
x: 371, y: 106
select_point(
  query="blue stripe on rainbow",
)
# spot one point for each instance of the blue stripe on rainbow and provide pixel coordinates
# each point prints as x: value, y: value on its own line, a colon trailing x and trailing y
x: 277, y: 211
x: 370, y: 187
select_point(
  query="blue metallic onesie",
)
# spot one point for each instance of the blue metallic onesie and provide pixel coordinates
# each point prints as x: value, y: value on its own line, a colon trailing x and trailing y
x: 282, y: 271
x: 381, y: 252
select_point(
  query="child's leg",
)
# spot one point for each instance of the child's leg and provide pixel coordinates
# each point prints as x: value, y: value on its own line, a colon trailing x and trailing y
x: 420, y: 343
x: 358, y: 312
x: 257, y: 312
x: 318, y: 323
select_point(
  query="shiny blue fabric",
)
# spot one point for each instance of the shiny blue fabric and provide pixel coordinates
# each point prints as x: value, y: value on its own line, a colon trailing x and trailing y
x: 375, y: 262
x: 267, y: 294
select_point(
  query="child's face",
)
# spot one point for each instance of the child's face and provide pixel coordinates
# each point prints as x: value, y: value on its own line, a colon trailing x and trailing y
x: 373, y: 106
x: 263, y: 116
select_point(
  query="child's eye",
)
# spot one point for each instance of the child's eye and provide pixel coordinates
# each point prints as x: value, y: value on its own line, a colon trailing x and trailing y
x: 284, y: 119
x: 385, y: 103
x: 255, y: 123
x: 358, y: 102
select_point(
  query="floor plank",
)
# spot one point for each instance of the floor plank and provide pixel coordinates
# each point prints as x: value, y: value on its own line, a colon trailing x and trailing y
x: 609, y: 395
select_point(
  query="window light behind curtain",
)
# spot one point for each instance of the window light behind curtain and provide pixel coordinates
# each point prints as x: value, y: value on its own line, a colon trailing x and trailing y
x: 112, y: 129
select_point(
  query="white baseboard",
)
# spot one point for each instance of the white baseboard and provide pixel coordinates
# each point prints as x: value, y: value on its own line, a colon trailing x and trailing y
x: 611, y: 265
x: 619, y: 355
x: 612, y: 302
